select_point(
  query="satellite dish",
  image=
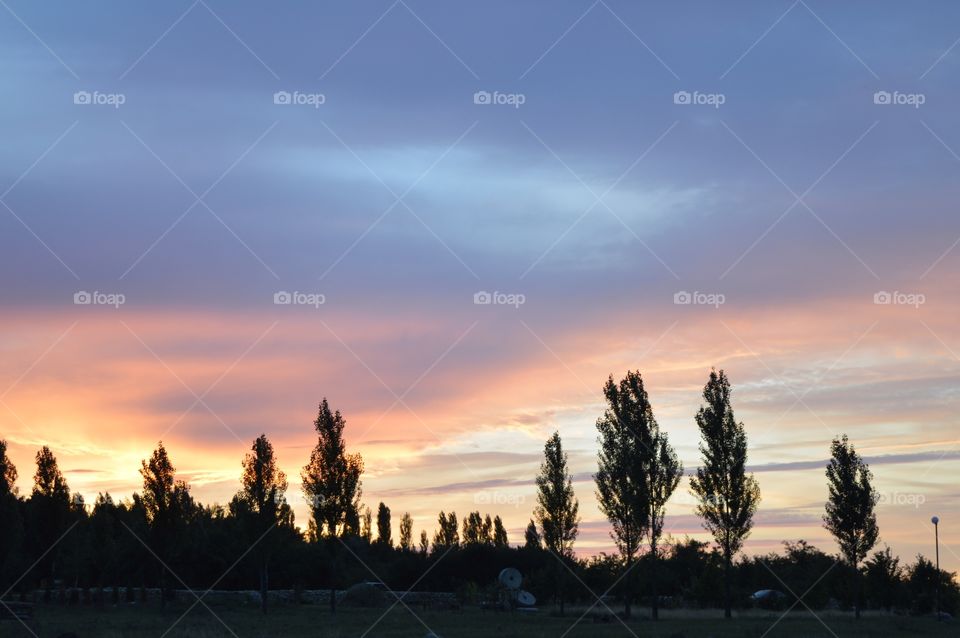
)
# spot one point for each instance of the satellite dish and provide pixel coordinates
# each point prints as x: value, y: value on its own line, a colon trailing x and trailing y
x: 510, y: 578
x: 526, y: 599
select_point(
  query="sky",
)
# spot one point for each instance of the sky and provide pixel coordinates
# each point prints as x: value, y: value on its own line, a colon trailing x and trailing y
x: 214, y: 214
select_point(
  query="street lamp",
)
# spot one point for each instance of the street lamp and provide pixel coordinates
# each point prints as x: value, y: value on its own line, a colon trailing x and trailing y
x: 936, y: 541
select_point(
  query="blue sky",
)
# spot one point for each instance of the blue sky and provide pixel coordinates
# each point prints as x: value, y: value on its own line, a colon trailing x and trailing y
x: 599, y: 198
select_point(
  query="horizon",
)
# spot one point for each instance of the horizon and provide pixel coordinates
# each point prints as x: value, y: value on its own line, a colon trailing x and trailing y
x: 456, y: 222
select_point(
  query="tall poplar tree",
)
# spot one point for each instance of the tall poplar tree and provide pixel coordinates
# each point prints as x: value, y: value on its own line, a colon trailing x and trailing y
x: 557, y: 510
x: 850, y: 514
x: 331, y: 480
x: 263, y: 492
x: 623, y: 489
x: 727, y: 497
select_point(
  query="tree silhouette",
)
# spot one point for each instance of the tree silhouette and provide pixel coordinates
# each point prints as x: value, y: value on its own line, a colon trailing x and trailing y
x: 49, y: 513
x: 406, y: 531
x: 447, y: 534
x: 531, y: 537
x: 499, y: 533
x: 664, y: 470
x: 366, y: 525
x: 850, y: 515
x: 384, y: 533
x: 163, y: 499
x: 727, y: 497
x: 557, y: 507
x: 201, y: 542
x: 264, y: 486
x: 331, y: 480
x: 424, y: 542
x: 8, y: 472
x: 477, y: 529
x: 11, y: 528
x: 623, y: 486
x: 884, y: 577
x: 48, y: 481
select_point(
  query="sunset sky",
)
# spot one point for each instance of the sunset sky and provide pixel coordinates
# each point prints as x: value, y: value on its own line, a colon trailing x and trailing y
x: 792, y: 160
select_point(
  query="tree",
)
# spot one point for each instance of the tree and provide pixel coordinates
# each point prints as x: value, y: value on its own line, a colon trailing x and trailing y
x: 49, y: 513
x: 850, y: 515
x: 48, y: 481
x: 160, y: 500
x: 264, y: 487
x: 12, y: 528
x: 884, y: 578
x: 424, y: 542
x: 726, y: 496
x: 447, y: 534
x: 486, y: 530
x: 499, y: 533
x: 531, y: 537
x: 331, y: 480
x: 557, y: 510
x: 8, y: 472
x: 384, y: 533
x: 663, y: 470
x: 406, y: 531
x: 477, y: 530
x: 366, y: 525
x: 623, y: 489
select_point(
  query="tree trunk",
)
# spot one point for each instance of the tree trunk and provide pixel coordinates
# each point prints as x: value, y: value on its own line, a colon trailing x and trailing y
x: 858, y: 592
x: 263, y: 584
x: 163, y: 588
x: 726, y: 585
x: 628, y: 594
x: 560, y: 580
x: 655, y: 605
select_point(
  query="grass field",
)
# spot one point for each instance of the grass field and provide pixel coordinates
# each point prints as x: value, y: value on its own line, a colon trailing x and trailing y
x: 317, y: 622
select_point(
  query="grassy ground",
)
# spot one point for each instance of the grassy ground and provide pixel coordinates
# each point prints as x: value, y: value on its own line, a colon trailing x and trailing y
x: 316, y: 622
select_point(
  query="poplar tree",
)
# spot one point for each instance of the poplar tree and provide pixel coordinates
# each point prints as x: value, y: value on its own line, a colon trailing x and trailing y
x: 850, y: 515
x: 557, y: 510
x: 727, y: 496
x: 263, y: 491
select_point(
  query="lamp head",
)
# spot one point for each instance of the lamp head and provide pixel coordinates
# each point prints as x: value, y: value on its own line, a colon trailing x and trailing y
x: 935, y: 520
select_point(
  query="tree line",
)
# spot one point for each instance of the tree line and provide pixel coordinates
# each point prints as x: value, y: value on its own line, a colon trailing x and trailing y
x: 53, y: 542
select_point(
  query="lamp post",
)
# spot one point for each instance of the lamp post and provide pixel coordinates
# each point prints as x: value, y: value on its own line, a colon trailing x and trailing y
x: 936, y: 541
